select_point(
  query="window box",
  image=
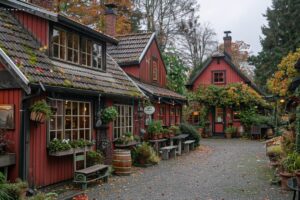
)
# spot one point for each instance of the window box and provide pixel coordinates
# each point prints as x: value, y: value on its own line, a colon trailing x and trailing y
x: 7, y: 159
x: 71, y: 151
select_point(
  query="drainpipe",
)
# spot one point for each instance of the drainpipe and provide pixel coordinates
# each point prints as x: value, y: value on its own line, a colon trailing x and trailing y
x: 24, y: 135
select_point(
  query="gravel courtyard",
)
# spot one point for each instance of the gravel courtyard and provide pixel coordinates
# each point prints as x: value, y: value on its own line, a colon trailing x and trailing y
x: 219, y: 169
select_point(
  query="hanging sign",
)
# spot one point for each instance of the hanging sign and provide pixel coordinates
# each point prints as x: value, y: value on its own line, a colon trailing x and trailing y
x: 149, y: 110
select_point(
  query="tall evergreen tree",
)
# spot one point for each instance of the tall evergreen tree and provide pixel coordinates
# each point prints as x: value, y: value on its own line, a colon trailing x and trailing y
x: 281, y: 36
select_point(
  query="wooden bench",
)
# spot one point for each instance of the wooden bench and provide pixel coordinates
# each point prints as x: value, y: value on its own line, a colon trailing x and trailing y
x: 88, y: 174
x: 168, y: 152
x: 188, y: 145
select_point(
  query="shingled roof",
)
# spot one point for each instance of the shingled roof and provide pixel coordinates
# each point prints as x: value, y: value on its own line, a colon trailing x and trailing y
x: 131, y: 48
x: 26, y: 54
x: 158, y: 91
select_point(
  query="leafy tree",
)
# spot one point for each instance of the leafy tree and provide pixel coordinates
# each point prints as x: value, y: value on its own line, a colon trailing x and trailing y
x: 281, y: 35
x: 285, y: 74
x: 176, y: 72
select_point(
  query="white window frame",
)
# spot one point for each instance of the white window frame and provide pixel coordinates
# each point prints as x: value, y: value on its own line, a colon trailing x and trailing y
x: 120, y: 125
x: 63, y: 118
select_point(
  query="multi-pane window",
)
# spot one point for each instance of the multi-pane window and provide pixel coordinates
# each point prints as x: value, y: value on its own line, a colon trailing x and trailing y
x: 72, y: 120
x: 59, y: 44
x: 162, y: 114
x: 124, y: 122
x: 154, y: 69
x: 86, y: 52
x: 219, y: 77
x: 79, y: 50
x: 236, y: 115
x: 73, y: 48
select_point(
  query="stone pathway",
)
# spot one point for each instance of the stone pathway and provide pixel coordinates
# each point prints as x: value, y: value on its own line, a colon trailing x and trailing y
x: 219, y: 169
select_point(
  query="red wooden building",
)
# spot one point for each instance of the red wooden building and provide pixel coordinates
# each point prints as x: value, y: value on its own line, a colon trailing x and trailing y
x: 139, y: 56
x: 219, y: 70
x: 45, y: 55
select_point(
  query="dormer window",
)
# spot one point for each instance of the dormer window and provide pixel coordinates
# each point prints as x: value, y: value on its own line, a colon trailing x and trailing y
x: 218, y: 77
x: 71, y: 47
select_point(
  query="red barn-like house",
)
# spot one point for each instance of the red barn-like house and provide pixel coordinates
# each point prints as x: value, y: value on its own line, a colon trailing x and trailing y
x: 45, y: 55
x: 219, y: 70
x: 140, y: 57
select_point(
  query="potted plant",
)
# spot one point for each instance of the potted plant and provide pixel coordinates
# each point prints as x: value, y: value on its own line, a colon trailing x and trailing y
x: 229, y: 131
x: 144, y: 155
x: 166, y: 133
x: 274, y: 152
x: 94, y: 157
x: 109, y: 114
x: 154, y: 129
x: 40, y: 111
x: 288, y: 165
x: 174, y: 130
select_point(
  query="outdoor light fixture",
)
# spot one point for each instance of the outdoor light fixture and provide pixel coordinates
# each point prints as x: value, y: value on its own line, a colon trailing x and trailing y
x: 195, y: 113
x: 140, y: 110
x: 158, y: 100
x: 281, y: 100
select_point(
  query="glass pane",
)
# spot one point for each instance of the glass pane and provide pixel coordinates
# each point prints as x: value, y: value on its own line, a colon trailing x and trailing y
x: 52, y: 135
x: 87, y: 109
x: 74, y: 108
x: 55, y: 51
x: 59, y: 108
x: 67, y: 122
x: 87, y: 122
x: 76, y: 42
x: 75, y: 135
x: 81, y: 134
x: 89, y: 47
x: 55, y: 37
x: 70, y: 55
x: 83, y: 45
x: 59, y: 135
x: 75, y: 55
x: 81, y: 109
x: 75, y: 123
x: 67, y: 135
x: 81, y: 122
x: 83, y: 58
x: 63, y: 38
x: 70, y: 40
x: 53, y: 123
x: 59, y: 123
x: 67, y: 107
x: 87, y: 134
x: 88, y: 59
x: 62, y: 52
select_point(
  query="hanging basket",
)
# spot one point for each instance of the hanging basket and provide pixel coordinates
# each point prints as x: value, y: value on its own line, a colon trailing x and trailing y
x: 37, y: 117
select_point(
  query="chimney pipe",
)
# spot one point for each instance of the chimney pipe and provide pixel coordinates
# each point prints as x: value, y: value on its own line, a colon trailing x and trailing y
x: 110, y: 19
x: 227, y: 43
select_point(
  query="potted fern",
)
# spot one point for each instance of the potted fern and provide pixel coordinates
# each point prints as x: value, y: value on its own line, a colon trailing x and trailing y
x: 109, y: 114
x: 40, y: 111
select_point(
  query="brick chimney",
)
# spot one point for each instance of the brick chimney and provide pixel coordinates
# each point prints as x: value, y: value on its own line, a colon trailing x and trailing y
x: 227, y: 43
x: 110, y: 19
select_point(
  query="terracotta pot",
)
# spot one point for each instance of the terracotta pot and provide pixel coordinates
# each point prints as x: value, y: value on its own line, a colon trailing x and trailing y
x: 154, y: 137
x: 297, y: 173
x: 160, y: 136
x: 284, y: 176
x: 81, y: 197
x: 228, y: 135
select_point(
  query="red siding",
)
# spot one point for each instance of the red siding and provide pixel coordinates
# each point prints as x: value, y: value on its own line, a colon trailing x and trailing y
x: 13, y: 96
x: 206, y: 77
x: 132, y: 70
x: 37, y: 26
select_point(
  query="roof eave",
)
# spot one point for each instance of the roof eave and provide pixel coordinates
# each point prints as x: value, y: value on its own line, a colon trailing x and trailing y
x: 146, y: 47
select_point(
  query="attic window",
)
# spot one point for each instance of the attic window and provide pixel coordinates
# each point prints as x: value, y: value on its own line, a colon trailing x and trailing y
x: 154, y: 69
x: 218, y: 77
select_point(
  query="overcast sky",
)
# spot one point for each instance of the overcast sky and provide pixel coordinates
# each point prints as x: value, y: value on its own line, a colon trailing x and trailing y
x: 243, y: 17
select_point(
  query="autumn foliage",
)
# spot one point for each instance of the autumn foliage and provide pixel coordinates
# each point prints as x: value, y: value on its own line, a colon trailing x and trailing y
x: 285, y: 74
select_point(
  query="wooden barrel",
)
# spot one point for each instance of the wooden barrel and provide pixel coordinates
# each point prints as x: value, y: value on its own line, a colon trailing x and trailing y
x: 122, y: 162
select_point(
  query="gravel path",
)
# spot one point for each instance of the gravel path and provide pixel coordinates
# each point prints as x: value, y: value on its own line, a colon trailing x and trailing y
x: 219, y: 169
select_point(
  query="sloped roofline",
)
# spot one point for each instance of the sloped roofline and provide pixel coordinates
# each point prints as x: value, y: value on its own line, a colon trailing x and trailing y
x: 237, y: 70
x: 146, y: 47
x: 15, y: 71
x: 55, y: 17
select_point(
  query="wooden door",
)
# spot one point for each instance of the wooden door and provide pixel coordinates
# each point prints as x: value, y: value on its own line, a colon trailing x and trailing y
x: 219, y: 120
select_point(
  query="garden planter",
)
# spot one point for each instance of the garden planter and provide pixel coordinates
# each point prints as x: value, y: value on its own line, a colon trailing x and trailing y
x: 228, y: 135
x: 7, y: 159
x: 37, y: 117
x: 297, y: 173
x: 122, y: 162
x: 70, y: 151
x: 160, y: 136
x: 154, y: 137
x: 284, y: 176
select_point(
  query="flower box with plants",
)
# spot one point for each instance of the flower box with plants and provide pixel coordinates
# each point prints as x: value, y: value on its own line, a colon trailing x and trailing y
x: 127, y: 140
x: 229, y: 131
x: 40, y: 111
x: 66, y: 147
x: 155, y: 130
x: 6, y: 158
x: 144, y: 155
x: 109, y: 114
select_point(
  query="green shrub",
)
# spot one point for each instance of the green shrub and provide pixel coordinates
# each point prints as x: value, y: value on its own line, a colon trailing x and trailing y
x: 289, y: 162
x: 94, y: 157
x: 154, y: 127
x: 109, y: 114
x: 191, y: 131
x: 275, y: 150
x: 144, y: 154
x: 230, y: 130
x: 4, y: 192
